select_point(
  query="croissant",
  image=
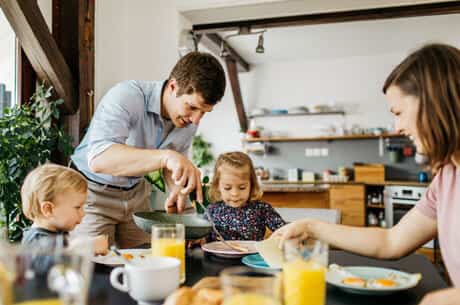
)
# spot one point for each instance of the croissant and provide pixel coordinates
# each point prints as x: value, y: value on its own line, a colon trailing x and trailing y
x: 189, y: 296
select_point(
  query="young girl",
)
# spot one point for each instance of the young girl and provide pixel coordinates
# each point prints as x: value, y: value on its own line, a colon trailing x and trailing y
x: 424, y: 95
x: 237, y: 210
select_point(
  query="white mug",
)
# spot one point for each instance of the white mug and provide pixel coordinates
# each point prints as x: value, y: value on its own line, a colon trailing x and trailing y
x: 149, y: 279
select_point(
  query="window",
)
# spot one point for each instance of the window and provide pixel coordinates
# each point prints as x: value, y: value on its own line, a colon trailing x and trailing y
x: 7, y: 64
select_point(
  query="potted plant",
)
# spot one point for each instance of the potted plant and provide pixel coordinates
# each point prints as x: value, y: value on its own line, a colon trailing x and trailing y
x: 29, y: 134
x: 201, y: 154
x: 202, y: 157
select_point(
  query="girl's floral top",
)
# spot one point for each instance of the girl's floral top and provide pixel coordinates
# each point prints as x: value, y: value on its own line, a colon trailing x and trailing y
x: 247, y: 222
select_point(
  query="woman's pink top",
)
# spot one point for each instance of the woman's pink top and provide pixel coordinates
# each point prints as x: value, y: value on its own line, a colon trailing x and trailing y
x: 442, y: 203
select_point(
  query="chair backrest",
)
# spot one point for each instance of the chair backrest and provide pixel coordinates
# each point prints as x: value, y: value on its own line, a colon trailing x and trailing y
x: 293, y: 214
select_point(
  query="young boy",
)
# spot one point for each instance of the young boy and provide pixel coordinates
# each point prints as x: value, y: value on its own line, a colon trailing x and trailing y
x: 53, y: 197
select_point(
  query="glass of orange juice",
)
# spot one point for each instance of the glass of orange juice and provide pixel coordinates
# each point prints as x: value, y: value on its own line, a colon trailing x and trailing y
x: 169, y: 240
x: 304, y: 272
x: 45, y: 274
x: 245, y: 286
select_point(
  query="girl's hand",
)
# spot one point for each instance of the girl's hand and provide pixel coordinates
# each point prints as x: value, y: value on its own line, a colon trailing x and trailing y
x: 295, y: 230
x: 450, y: 296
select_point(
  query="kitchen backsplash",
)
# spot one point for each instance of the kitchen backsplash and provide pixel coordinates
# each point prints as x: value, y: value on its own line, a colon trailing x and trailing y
x: 287, y: 155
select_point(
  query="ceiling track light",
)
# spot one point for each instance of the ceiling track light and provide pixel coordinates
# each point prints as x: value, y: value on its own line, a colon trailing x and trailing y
x: 243, y: 31
x: 260, y: 44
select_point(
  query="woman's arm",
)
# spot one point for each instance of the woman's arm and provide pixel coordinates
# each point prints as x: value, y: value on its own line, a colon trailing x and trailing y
x: 410, y: 233
x: 449, y: 296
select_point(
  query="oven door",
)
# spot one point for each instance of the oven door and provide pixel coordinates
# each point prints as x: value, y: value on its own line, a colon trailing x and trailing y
x: 399, y: 210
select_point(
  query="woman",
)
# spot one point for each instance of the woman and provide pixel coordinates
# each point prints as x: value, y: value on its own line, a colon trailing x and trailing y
x: 423, y: 92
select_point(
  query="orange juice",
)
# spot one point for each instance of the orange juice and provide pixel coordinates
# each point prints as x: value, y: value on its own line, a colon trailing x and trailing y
x: 304, y: 283
x: 42, y: 302
x: 173, y: 248
x: 250, y: 299
x: 6, y: 287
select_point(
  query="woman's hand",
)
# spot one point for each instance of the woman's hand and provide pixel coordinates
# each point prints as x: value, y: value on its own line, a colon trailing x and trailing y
x: 295, y: 230
x: 449, y: 296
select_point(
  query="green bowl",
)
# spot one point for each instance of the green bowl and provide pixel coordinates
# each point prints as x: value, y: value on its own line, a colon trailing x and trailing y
x: 195, y: 226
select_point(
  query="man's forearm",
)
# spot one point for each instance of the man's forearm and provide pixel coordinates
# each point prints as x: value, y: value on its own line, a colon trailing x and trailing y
x: 124, y: 160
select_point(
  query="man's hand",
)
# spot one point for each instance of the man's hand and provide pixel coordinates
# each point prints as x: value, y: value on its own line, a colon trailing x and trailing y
x: 450, y: 296
x: 176, y: 201
x: 185, y: 177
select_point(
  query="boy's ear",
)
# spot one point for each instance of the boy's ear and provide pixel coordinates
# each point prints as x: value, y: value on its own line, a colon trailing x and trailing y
x: 46, y: 208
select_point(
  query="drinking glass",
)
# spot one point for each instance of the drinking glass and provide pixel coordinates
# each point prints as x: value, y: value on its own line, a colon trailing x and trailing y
x: 47, y: 274
x: 245, y: 286
x: 169, y: 240
x: 304, y: 272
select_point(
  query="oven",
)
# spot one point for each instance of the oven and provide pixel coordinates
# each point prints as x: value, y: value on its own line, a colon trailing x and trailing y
x: 398, y: 200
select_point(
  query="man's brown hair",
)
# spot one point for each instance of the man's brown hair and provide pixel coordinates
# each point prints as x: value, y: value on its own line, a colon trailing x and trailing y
x: 237, y: 160
x: 201, y: 73
x: 432, y: 74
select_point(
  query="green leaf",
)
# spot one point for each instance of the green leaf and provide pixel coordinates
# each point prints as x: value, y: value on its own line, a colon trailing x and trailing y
x: 201, y: 154
x: 156, y: 179
x: 28, y: 135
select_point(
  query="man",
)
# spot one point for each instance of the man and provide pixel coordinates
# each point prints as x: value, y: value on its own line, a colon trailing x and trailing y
x: 139, y: 127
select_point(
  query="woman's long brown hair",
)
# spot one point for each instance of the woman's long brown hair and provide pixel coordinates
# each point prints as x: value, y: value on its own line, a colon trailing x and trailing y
x: 432, y: 74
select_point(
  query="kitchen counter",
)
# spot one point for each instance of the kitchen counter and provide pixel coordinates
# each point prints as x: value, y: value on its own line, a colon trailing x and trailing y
x: 289, y: 187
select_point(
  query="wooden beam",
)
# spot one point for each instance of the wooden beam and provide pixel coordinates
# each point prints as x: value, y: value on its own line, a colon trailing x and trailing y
x: 415, y: 10
x: 86, y: 25
x: 73, y: 31
x: 30, y: 27
x: 235, y: 85
x: 213, y: 43
x: 27, y: 80
x: 65, y: 33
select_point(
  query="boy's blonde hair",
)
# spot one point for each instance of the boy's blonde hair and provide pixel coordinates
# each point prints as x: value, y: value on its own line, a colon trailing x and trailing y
x: 236, y: 160
x: 44, y: 183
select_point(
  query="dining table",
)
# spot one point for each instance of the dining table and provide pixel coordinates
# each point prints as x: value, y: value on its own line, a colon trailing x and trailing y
x: 200, y: 265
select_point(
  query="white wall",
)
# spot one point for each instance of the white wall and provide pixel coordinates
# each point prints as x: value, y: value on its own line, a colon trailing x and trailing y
x: 353, y: 83
x: 134, y: 40
x: 140, y: 42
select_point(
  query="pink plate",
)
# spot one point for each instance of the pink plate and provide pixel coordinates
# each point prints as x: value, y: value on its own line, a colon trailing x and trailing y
x: 218, y: 248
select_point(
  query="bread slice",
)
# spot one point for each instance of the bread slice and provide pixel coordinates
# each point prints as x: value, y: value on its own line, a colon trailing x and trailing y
x: 270, y: 251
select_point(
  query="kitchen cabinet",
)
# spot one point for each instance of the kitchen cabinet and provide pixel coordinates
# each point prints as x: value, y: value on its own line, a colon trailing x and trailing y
x: 349, y: 199
x: 298, y: 199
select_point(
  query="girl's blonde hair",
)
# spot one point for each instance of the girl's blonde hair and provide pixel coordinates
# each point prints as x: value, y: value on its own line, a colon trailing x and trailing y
x: 237, y: 160
x: 432, y: 74
x: 44, y: 183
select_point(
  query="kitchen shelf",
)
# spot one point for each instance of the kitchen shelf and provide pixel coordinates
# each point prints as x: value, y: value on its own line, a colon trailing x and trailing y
x: 297, y: 114
x: 323, y: 138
